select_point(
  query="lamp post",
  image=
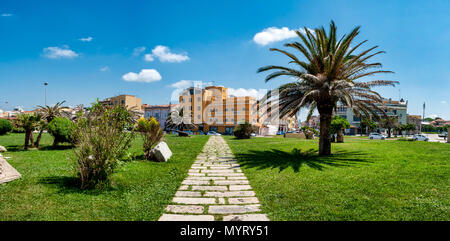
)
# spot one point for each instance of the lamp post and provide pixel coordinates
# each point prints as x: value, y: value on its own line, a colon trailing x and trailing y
x: 45, y: 92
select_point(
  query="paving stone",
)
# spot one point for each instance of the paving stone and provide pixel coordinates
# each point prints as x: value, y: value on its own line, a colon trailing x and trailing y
x: 197, y: 174
x: 184, y: 209
x: 237, y: 178
x: 246, y: 217
x: 186, y: 200
x: 210, y: 188
x: 215, y: 183
x: 230, y: 194
x: 205, y: 178
x: 229, y: 174
x: 195, y: 182
x: 188, y: 194
x: 218, y: 171
x: 239, y: 187
x: 228, y: 209
x: 180, y: 217
x: 242, y: 200
x: 230, y: 182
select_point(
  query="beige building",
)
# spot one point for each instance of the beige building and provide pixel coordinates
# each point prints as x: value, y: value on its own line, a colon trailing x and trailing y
x: 130, y: 101
x: 212, y: 109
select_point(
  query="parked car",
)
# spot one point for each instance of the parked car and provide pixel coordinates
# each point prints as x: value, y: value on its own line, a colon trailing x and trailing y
x: 443, y: 134
x: 376, y: 136
x: 253, y: 134
x: 280, y: 133
x: 420, y: 137
x: 213, y: 133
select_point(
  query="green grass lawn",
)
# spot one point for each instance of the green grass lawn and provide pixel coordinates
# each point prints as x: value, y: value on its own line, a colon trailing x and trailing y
x: 362, y: 180
x: 48, y: 188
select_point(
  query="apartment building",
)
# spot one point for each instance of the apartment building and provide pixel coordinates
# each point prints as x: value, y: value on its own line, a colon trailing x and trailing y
x: 130, y: 101
x: 159, y: 112
x: 212, y: 109
x: 390, y: 107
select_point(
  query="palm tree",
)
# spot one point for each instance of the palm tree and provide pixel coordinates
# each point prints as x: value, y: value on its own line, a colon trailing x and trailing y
x: 28, y: 123
x: 329, y: 75
x: 50, y: 112
x: 390, y: 122
x: 179, y: 121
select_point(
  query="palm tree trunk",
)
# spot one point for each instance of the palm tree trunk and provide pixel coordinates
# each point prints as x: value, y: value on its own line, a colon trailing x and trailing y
x: 38, y: 139
x: 340, y: 136
x: 31, y: 139
x: 389, y: 132
x: 325, y: 123
x: 27, y: 139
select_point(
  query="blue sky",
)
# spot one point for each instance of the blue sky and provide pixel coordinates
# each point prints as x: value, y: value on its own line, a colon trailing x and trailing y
x: 90, y: 49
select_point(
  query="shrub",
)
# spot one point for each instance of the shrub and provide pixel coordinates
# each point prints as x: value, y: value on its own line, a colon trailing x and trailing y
x: 338, y: 124
x: 61, y: 129
x: 151, y: 133
x: 309, y: 132
x: 243, y: 131
x: 5, y: 126
x: 101, y: 143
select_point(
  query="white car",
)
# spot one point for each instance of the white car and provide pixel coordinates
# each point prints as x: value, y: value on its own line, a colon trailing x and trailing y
x: 213, y: 133
x: 420, y: 137
x: 377, y: 136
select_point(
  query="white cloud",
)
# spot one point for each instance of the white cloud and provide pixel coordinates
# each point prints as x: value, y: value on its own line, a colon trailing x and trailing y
x: 88, y: 39
x: 164, y: 55
x: 104, y: 68
x: 443, y: 102
x: 274, y: 34
x: 247, y: 92
x: 6, y: 14
x: 137, y: 51
x: 148, y: 58
x: 59, y: 53
x: 145, y: 76
x: 184, y: 84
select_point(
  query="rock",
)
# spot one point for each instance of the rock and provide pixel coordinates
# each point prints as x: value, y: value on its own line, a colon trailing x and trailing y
x: 161, y: 152
x: 2, y: 149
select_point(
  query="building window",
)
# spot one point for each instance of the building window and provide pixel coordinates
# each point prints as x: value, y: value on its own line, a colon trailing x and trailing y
x: 198, y: 107
x: 199, y: 99
x: 190, y: 107
x: 123, y: 102
x: 198, y: 116
x: 356, y: 118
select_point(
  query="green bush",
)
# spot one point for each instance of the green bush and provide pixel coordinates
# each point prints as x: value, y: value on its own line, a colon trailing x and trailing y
x: 243, y: 131
x: 101, y: 143
x: 151, y: 133
x: 61, y: 129
x: 5, y: 126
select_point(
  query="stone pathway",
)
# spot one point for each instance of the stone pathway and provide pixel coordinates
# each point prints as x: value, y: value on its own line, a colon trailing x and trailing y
x: 216, y: 189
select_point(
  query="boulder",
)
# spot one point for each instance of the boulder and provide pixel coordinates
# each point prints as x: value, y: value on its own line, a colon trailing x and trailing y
x: 2, y: 149
x: 161, y: 152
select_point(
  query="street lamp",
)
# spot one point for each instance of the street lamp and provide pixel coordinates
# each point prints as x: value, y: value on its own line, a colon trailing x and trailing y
x: 45, y: 92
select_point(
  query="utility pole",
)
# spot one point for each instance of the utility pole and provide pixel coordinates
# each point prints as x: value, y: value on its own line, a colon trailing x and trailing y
x: 45, y: 92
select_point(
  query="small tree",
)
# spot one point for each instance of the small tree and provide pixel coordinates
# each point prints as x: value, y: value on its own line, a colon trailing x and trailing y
x: 367, y: 125
x: 338, y: 124
x: 61, y: 129
x: 5, y: 126
x: 28, y: 122
x: 179, y: 120
x: 389, y: 123
x: 151, y: 133
x: 309, y: 132
x: 243, y: 131
x: 101, y: 140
